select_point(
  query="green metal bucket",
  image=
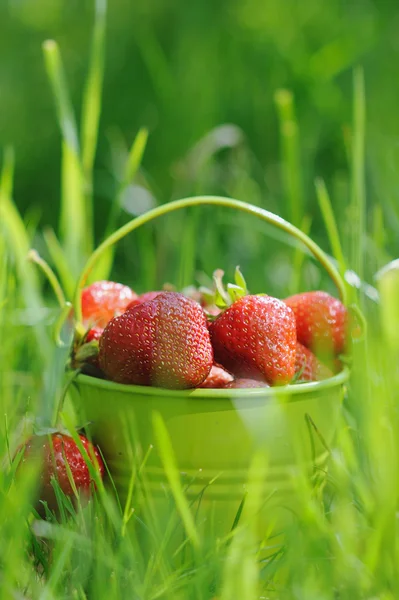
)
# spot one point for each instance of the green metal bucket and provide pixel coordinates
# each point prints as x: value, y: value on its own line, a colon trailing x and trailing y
x: 214, y: 434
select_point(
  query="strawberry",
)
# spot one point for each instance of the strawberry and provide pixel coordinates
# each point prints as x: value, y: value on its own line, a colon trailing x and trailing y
x: 103, y: 300
x: 85, y: 349
x: 217, y: 378
x: 93, y: 334
x: 55, y: 450
x: 308, y: 367
x: 256, y: 338
x: 163, y: 342
x: 321, y: 322
x: 92, y: 338
x: 142, y: 298
x: 242, y: 383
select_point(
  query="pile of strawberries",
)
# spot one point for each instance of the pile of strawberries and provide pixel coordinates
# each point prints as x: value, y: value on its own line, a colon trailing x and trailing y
x: 198, y: 339
x: 194, y: 340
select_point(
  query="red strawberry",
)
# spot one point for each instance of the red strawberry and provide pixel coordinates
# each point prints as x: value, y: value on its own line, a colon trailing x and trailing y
x: 55, y: 451
x: 142, y: 298
x: 164, y: 342
x: 103, y: 300
x: 321, y: 321
x: 217, y: 378
x: 246, y: 384
x: 94, y: 334
x: 308, y: 367
x: 256, y: 338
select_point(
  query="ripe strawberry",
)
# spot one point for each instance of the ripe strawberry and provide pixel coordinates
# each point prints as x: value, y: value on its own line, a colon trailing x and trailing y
x: 321, y: 321
x: 164, y: 342
x: 103, y: 300
x: 255, y: 338
x: 242, y: 383
x: 55, y: 451
x: 308, y: 367
x: 217, y: 378
x: 142, y: 298
x: 93, y: 334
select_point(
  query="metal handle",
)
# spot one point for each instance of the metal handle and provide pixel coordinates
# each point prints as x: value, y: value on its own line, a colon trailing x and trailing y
x: 261, y: 213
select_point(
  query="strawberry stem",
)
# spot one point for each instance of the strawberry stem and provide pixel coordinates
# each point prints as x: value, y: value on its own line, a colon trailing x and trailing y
x: 257, y: 211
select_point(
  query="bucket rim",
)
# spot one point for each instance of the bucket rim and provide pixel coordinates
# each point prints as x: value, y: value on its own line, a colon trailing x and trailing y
x: 288, y: 391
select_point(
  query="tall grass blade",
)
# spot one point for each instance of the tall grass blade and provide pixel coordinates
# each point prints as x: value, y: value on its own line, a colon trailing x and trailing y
x: 92, y: 109
x: 14, y: 231
x: 299, y: 257
x: 60, y: 261
x: 289, y: 138
x: 74, y: 229
x: 358, y: 193
x: 165, y: 450
x: 330, y: 223
x: 133, y: 161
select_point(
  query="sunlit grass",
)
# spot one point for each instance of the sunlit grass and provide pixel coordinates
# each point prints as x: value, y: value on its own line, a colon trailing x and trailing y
x: 344, y: 542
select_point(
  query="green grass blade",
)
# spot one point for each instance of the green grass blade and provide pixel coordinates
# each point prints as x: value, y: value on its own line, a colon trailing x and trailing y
x: 132, y: 165
x: 358, y: 194
x: 14, y: 231
x: 74, y: 228
x: 73, y: 214
x: 92, y: 106
x: 133, y: 161
x: 290, y: 155
x: 299, y: 257
x: 388, y: 286
x: 55, y: 72
x: 60, y: 261
x: 330, y: 223
x: 165, y: 450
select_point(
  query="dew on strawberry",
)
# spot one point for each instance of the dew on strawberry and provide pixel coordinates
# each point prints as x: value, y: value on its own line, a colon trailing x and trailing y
x: 163, y: 342
x: 255, y: 338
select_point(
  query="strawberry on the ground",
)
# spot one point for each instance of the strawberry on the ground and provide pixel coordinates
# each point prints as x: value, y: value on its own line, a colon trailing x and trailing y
x: 103, y: 300
x: 243, y: 383
x: 163, y: 342
x: 321, y: 322
x: 55, y: 450
x: 142, y: 298
x: 255, y: 338
x: 308, y: 367
x: 217, y: 378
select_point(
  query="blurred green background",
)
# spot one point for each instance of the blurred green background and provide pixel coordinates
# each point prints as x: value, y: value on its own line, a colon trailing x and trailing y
x: 203, y: 76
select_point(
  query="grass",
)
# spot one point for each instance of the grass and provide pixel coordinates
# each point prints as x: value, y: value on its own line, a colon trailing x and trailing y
x: 344, y: 542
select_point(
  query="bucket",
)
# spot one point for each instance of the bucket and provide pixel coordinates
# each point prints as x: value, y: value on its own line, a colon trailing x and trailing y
x: 214, y: 432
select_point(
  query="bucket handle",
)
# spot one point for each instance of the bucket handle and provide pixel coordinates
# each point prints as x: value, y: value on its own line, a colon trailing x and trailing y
x: 261, y: 213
